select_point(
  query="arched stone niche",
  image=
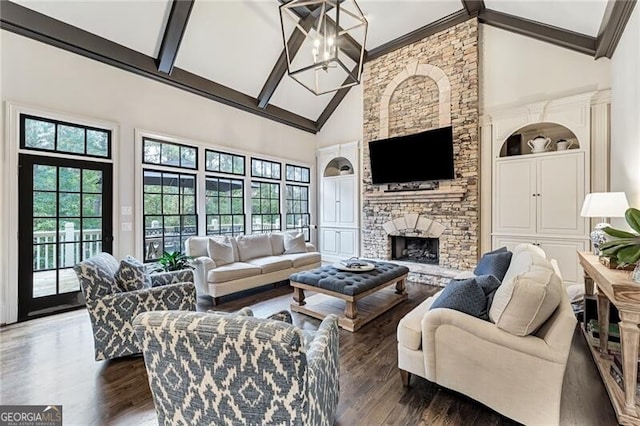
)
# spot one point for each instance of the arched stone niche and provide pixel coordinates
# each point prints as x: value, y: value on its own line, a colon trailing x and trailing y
x: 412, y: 70
x: 338, y: 166
x: 516, y: 142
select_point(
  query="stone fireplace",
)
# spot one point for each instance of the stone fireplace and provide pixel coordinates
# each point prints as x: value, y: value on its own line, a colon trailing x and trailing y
x: 428, y: 84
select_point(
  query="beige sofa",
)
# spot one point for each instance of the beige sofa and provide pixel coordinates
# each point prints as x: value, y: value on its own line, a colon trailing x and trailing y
x: 511, y: 364
x: 226, y: 265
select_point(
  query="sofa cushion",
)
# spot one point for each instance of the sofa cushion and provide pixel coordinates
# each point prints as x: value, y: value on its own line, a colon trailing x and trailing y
x: 270, y: 263
x: 277, y: 242
x: 410, y: 326
x: 302, y: 259
x: 254, y: 245
x: 232, y: 271
x: 465, y: 296
x: 221, y: 250
x: 524, y: 302
x: 522, y: 260
x: 529, y: 248
x: 197, y: 246
x: 294, y: 243
x: 494, y: 263
x: 131, y: 275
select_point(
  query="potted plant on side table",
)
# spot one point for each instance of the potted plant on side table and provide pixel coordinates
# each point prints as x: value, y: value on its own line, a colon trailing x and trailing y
x: 625, y: 247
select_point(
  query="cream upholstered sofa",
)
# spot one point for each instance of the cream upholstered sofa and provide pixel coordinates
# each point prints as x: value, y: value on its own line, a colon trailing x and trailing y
x: 225, y: 265
x: 512, y: 363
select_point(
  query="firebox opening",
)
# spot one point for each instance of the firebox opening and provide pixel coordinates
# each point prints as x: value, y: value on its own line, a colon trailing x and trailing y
x: 414, y: 249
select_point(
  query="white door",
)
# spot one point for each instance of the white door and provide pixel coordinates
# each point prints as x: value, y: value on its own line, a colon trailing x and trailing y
x: 514, y: 198
x: 329, y: 202
x: 346, y: 204
x: 560, y: 194
x: 565, y: 252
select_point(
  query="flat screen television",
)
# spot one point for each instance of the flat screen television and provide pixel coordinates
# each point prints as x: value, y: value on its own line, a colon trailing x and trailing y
x: 418, y: 157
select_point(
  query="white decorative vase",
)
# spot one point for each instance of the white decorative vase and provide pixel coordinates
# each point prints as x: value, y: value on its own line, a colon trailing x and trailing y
x: 635, y: 275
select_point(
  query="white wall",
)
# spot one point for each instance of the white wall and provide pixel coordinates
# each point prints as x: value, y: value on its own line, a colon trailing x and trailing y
x: 625, y: 114
x: 39, y: 75
x: 515, y: 70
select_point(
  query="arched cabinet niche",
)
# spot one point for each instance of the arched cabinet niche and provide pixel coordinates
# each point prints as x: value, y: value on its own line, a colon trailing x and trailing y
x: 537, y: 194
x: 339, y: 201
x: 538, y: 138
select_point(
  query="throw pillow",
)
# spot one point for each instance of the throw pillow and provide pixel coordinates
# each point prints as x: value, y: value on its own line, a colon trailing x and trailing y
x: 294, y: 244
x: 221, y: 251
x: 495, y: 264
x: 463, y: 295
x: 525, y: 301
x: 131, y: 275
x: 489, y: 285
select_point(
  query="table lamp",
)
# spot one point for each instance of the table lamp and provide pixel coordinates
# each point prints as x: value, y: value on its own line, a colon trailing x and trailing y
x: 604, y: 205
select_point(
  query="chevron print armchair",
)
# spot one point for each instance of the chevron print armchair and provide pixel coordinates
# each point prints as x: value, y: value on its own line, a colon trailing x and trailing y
x: 112, y: 308
x: 210, y: 368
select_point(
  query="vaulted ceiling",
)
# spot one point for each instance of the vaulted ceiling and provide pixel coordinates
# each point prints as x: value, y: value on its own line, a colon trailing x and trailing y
x: 231, y: 51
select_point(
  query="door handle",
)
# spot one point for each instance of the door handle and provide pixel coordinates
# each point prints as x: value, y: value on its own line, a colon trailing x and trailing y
x: 108, y: 238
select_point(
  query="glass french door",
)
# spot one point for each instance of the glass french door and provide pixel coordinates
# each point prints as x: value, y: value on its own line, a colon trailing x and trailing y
x: 65, y: 216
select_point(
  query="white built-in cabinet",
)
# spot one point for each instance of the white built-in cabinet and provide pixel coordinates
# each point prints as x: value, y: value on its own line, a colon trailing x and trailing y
x: 536, y: 197
x: 339, y: 201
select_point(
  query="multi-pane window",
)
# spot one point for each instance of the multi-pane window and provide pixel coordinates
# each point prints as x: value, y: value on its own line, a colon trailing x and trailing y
x: 297, y: 174
x: 297, y: 216
x: 224, y: 206
x: 265, y: 169
x: 42, y: 134
x: 169, y: 154
x: 265, y: 207
x: 169, y: 211
x: 224, y: 162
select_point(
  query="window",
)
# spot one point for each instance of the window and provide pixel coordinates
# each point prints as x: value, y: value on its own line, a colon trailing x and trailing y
x: 297, y: 216
x: 265, y: 169
x: 169, y: 154
x: 224, y: 206
x: 223, y: 162
x: 169, y: 211
x: 297, y: 174
x: 265, y: 207
x: 43, y: 134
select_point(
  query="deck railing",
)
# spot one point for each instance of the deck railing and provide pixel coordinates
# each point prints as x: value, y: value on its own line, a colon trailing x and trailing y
x: 73, y: 247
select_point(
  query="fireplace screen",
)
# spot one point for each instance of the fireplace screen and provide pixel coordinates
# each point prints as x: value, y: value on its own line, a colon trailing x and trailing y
x: 414, y: 249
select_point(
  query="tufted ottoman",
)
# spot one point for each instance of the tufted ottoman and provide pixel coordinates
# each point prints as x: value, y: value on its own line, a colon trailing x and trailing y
x: 338, y: 292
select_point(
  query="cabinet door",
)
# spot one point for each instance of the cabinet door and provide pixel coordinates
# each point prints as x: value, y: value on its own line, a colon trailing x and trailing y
x: 561, y: 193
x: 347, y: 243
x: 328, y: 241
x: 514, y: 200
x: 346, y: 202
x: 566, y: 253
x: 329, y: 202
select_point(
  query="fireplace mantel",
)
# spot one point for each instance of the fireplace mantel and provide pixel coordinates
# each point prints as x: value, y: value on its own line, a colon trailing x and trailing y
x: 446, y: 194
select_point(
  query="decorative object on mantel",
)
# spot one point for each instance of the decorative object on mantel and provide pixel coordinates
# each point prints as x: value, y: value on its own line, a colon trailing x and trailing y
x: 539, y: 144
x: 331, y: 54
x: 603, y: 205
x: 626, y: 245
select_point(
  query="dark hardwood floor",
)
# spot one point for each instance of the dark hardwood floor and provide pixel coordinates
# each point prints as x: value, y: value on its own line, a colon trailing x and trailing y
x: 50, y: 361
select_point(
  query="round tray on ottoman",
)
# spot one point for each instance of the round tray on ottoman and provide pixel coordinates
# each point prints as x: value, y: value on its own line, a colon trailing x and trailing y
x: 362, y: 267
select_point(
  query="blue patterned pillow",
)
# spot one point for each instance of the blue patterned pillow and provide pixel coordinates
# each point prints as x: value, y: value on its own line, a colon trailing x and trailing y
x: 494, y: 263
x: 463, y: 295
x: 131, y: 275
x: 489, y: 285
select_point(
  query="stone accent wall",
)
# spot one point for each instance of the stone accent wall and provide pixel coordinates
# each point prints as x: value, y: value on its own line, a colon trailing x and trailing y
x: 405, y: 92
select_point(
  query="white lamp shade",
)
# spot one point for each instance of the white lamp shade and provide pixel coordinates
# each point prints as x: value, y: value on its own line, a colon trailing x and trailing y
x: 605, y: 204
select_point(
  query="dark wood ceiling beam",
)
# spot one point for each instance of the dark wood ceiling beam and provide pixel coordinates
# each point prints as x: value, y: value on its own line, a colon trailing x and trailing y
x: 473, y: 7
x: 280, y: 68
x: 550, y: 34
x: 34, y: 25
x: 173, y: 32
x: 334, y: 103
x: 430, y: 29
x: 614, y: 21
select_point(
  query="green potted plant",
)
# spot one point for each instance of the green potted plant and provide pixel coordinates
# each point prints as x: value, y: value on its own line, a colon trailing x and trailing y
x: 625, y: 247
x: 174, y: 261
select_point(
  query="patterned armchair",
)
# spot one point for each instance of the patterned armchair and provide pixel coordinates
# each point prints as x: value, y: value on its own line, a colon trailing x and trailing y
x: 112, y: 310
x: 211, y: 368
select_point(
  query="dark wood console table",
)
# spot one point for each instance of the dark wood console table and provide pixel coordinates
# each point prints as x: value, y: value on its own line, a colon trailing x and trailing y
x: 615, y: 286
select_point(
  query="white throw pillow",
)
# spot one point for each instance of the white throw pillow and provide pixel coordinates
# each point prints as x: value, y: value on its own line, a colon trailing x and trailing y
x: 525, y: 301
x: 253, y: 246
x: 294, y: 244
x: 220, y: 250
